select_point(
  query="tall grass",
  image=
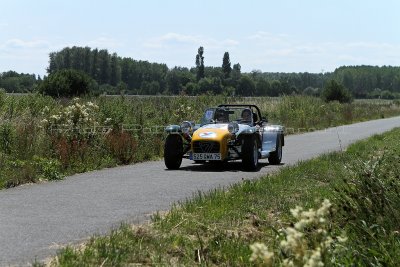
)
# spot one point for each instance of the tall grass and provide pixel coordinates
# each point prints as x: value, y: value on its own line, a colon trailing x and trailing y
x: 124, y: 130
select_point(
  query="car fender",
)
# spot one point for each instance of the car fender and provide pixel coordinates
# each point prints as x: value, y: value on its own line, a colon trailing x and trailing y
x: 270, y: 137
x: 248, y: 130
x: 173, y: 129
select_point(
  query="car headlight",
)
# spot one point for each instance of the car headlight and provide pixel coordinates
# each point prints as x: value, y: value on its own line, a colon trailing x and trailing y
x: 186, y: 127
x: 233, y: 127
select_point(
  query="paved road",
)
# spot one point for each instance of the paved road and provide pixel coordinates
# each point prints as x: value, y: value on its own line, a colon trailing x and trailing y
x: 37, y: 219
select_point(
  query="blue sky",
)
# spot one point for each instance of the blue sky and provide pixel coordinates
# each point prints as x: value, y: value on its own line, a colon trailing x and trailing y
x: 276, y: 36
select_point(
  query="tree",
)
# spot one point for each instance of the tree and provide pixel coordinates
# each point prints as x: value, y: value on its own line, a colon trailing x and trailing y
x: 66, y: 83
x: 105, y: 67
x: 115, y: 70
x: 311, y: 91
x: 246, y: 86
x: 335, y: 91
x: 236, y: 73
x: 226, y: 65
x: 275, y: 88
x: 200, y: 63
x: 95, y: 65
x: 262, y: 87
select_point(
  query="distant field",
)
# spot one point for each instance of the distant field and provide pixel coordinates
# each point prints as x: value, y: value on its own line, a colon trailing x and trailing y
x: 45, y: 139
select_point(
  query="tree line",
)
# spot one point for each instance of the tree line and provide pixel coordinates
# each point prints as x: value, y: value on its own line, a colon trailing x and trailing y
x: 111, y: 74
x: 15, y: 82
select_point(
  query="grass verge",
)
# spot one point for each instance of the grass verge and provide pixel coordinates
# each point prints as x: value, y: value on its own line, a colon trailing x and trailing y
x: 217, y: 228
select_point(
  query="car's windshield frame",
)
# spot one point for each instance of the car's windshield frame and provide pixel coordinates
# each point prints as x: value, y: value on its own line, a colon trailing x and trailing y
x: 229, y: 114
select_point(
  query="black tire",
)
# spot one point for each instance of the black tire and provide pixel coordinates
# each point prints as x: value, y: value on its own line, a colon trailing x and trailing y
x: 250, y: 153
x: 173, y: 151
x: 275, y: 157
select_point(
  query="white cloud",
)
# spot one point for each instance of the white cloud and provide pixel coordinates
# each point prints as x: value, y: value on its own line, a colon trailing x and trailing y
x: 177, y: 39
x: 280, y: 52
x: 264, y: 37
x: 105, y: 42
x: 13, y: 44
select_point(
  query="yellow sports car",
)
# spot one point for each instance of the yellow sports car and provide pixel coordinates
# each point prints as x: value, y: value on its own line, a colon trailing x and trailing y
x: 227, y: 132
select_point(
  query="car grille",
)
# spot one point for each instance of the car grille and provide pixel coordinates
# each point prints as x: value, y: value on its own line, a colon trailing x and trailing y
x: 205, y: 147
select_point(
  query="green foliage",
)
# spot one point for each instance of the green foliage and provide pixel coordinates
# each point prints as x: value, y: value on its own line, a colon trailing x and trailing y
x: 334, y: 91
x: 48, y: 169
x: 310, y: 91
x: 66, y: 83
x: 7, y: 137
x: 226, y: 65
x: 14, y: 82
x: 246, y: 86
x: 200, y: 63
x: 364, y: 79
x: 110, y: 69
x: 370, y: 206
x: 262, y: 87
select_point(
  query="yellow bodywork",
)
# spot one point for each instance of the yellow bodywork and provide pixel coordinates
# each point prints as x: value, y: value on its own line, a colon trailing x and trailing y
x: 217, y: 133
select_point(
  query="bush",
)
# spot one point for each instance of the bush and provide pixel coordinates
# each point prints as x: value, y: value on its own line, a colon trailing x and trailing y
x: 370, y: 208
x: 334, y: 91
x: 310, y: 91
x: 66, y: 83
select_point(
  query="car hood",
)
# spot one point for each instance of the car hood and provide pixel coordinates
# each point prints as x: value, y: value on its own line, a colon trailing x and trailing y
x: 215, y: 132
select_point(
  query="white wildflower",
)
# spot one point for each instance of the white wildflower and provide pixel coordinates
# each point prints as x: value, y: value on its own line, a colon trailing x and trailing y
x: 326, y: 205
x: 300, y: 225
x: 287, y: 263
x: 315, y: 259
x: 328, y: 241
x: 261, y: 252
x: 296, y: 211
x: 311, y: 225
x: 342, y: 239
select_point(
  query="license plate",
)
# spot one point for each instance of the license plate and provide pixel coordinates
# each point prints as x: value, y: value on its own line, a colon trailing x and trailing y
x: 206, y: 156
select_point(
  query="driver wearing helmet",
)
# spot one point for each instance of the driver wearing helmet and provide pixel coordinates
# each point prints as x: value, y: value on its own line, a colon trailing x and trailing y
x: 221, y: 115
x: 247, y: 115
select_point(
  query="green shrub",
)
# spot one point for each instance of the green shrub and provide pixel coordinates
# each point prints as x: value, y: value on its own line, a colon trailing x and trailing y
x: 334, y: 91
x: 66, y: 83
x: 48, y: 169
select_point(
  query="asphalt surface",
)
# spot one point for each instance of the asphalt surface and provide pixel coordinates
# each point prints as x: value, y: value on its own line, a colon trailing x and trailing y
x: 38, y: 219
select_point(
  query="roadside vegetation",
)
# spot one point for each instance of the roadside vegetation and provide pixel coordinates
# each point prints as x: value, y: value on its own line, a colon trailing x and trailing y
x: 340, y: 209
x: 45, y: 139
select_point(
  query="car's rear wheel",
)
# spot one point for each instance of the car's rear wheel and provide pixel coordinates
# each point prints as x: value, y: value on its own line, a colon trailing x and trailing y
x: 173, y: 151
x: 275, y: 157
x: 250, y: 153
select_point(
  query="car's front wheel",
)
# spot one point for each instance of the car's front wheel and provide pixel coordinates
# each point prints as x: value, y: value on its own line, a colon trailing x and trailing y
x: 173, y: 151
x: 250, y: 153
